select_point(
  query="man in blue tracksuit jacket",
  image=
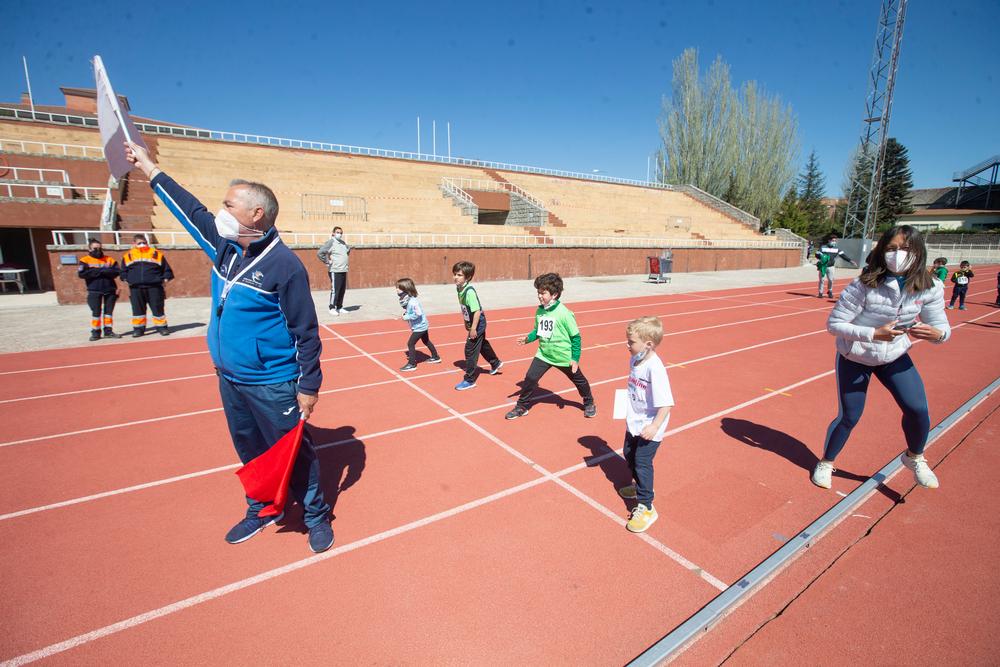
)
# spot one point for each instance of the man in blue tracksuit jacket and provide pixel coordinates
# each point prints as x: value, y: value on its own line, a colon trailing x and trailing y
x: 263, y: 336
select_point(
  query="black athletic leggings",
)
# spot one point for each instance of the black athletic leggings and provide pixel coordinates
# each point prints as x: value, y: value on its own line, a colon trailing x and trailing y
x: 411, y: 345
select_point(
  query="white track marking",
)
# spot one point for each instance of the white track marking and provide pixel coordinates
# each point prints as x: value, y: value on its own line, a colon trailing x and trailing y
x: 378, y: 333
x: 102, y: 363
x: 215, y: 593
x: 372, y: 384
x: 683, y: 562
x: 472, y: 413
x: 396, y: 351
x: 581, y: 312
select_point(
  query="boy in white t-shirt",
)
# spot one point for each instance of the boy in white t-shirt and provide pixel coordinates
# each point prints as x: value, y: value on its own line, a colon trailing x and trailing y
x: 647, y: 415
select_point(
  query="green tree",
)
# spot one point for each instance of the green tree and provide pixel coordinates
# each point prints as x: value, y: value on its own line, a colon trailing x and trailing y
x: 738, y: 146
x: 792, y: 216
x: 897, y: 181
x: 811, y: 187
x: 894, y: 191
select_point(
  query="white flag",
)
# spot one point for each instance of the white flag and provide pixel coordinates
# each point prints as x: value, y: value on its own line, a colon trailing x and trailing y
x: 116, y: 126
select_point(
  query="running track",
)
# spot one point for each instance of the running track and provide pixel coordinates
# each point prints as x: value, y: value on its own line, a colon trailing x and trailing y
x: 461, y: 537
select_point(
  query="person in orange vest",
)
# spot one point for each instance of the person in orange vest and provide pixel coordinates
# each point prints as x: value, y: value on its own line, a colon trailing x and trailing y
x: 144, y: 269
x: 99, y: 272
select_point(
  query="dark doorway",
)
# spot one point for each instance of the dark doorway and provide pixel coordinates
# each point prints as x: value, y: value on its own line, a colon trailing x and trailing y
x: 16, y: 253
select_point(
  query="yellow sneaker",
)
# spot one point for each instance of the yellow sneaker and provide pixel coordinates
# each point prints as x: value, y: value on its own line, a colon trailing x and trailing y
x: 627, y: 492
x: 642, y: 518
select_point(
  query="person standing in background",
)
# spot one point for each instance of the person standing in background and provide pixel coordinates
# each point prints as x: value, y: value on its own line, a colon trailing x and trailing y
x: 334, y: 254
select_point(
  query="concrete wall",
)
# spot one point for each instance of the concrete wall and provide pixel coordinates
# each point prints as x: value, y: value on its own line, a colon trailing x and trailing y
x: 381, y: 267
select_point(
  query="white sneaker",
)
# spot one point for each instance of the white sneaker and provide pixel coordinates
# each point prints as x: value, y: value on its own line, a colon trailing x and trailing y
x: 334, y: 311
x: 822, y: 474
x: 340, y: 311
x: 922, y: 472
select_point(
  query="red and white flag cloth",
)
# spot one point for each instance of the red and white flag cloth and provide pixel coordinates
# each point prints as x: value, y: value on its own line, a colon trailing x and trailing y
x: 114, y: 122
x: 266, y: 478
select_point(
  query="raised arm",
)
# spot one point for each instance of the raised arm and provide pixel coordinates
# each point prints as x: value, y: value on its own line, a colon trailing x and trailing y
x: 190, y: 212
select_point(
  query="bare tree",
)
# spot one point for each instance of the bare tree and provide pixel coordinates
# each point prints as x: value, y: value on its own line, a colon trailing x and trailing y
x: 738, y: 147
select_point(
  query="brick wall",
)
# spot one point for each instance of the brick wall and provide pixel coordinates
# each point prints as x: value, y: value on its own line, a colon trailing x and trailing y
x: 381, y: 267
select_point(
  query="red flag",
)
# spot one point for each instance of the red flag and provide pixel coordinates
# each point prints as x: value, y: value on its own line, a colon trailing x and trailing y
x: 266, y: 478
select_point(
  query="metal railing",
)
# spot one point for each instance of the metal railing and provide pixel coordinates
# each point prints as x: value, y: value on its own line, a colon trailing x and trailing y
x: 29, y: 191
x: 181, y: 238
x: 487, y: 185
x: 335, y: 208
x: 720, y: 205
x: 976, y: 168
x: 19, y: 173
x: 46, y: 148
x: 262, y: 140
x: 454, y: 191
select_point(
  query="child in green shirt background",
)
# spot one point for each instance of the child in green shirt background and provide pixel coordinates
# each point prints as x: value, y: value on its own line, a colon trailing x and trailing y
x: 559, y: 346
x: 475, y: 326
x: 940, y: 270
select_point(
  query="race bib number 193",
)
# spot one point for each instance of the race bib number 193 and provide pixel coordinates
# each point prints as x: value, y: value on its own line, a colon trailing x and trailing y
x: 546, y: 325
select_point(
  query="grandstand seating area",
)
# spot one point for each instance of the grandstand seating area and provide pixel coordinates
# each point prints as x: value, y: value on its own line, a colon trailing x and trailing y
x: 399, y: 196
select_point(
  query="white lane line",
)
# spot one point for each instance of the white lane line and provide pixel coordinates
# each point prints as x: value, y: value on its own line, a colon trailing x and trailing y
x: 385, y: 352
x: 140, y: 619
x: 102, y: 363
x: 471, y: 413
x: 653, y: 304
x: 215, y: 593
x: 378, y: 333
x: 372, y: 384
x: 683, y: 562
x: 117, y: 386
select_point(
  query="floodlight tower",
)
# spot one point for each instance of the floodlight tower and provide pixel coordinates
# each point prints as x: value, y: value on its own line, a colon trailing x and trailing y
x: 866, y: 177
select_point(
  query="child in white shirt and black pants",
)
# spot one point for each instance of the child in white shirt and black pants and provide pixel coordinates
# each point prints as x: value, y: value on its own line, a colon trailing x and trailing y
x: 646, y: 417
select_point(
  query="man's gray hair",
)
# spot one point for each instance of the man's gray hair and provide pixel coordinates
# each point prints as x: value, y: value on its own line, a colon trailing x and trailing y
x: 258, y: 194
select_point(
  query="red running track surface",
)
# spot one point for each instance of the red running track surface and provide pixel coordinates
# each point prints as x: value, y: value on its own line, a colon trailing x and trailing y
x: 462, y: 537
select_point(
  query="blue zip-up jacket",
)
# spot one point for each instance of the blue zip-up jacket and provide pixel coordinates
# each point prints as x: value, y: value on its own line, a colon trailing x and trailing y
x: 265, y: 331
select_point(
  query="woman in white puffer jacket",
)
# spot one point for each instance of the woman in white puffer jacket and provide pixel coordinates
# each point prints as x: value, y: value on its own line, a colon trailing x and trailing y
x: 873, y: 321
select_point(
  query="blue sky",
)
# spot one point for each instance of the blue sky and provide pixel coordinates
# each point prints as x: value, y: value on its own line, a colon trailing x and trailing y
x: 567, y: 85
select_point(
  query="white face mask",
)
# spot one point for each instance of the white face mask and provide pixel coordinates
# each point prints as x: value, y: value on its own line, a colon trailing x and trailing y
x: 337, y: 235
x: 229, y: 227
x: 898, y: 261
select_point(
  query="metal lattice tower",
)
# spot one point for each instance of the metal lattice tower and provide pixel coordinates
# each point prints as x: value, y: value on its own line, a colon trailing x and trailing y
x: 862, y: 201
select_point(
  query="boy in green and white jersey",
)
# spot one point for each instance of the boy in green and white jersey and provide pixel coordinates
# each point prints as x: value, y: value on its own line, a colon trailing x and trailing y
x: 559, y: 346
x: 475, y: 327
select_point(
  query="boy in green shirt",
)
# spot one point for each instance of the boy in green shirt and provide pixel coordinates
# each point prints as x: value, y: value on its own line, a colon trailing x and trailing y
x: 475, y: 325
x: 940, y: 270
x: 559, y: 346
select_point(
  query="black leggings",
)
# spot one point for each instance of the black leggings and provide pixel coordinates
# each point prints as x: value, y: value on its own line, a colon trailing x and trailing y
x: 538, y: 368
x: 411, y: 345
x: 96, y: 300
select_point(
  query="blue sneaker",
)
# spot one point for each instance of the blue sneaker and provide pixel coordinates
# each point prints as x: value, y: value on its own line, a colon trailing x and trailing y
x: 463, y: 385
x: 496, y: 369
x: 250, y: 526
x: 321, y: 537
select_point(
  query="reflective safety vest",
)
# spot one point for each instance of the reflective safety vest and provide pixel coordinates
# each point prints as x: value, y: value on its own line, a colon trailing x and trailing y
x: 145, y: 266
